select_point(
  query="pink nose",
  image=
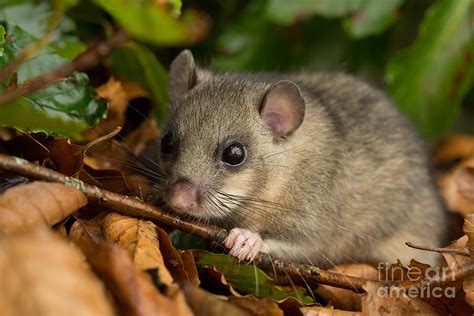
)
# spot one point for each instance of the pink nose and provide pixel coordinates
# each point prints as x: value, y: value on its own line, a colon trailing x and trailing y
x: 183, y: 196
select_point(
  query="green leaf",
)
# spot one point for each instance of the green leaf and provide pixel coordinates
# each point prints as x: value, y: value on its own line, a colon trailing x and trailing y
x: 429, y: 79
x: 185, y: 241
x: 2, y: 39
x: 31, y: 17
x: 137, y: 63
x: 38, y: 18
x: 250, y: 279
x: 68, y: 47
x: 373, y: 17
x: 174, y: 6
x: 149, y: 22
x: 286, y: 12
x: 65, y: 108
x: 6, y: 3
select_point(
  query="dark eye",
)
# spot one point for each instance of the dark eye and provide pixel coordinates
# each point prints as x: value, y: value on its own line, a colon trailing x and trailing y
x: 234, y: 154
x: 168, y: 143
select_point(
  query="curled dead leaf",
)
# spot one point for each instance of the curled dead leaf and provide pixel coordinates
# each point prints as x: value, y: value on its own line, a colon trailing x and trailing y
x: 140, y: 239
x: 468, y: 229
x: 457, y: 187
x: 454, y: 261
x: 375, y: 302
x: 174, y: 261
x: 37, y: 204
x: 133, y: 289
x: 43, y: 275
x: 468, y: 283
x: 257, y: 306
x: 346, y: 299
x: 117, y: 99
x: 191, y: 269
x: 468, y: 288
x: 204, y: 303
x: 326, y: 311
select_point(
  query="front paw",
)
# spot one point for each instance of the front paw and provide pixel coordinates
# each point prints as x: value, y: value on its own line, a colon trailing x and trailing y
x: 244, y: 244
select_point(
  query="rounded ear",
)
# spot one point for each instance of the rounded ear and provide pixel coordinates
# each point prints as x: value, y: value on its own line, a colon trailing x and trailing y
x: 283, y: 108
x: 182, y: 76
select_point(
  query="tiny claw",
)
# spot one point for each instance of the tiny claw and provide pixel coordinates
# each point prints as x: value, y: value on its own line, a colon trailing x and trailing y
x: 244, y: 244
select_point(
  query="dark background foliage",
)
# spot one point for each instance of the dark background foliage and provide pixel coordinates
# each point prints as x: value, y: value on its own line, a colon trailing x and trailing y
x: 420, y: 51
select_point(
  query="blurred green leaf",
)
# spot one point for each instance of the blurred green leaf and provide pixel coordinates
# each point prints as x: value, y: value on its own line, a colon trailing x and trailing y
x: 373, y: 17
x: 243, y: 41
x: 250, y: 279
x: 64, y: 5
x: 59, y: 7
x: 429, y: 79
x: 150, y: 22
x: 6, y: 3
x: 31, y: 17
x: 174, y: 6
x: 185, y: 241
x: 252, y: 43
x: 2, y: 38
x: 65, y: 108
x: 68, y: 47
x: 137, y: 63
x: 39, y: 18
x: 286, y: 12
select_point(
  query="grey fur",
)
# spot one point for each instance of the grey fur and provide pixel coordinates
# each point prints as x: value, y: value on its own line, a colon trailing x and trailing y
x: 353, y: 178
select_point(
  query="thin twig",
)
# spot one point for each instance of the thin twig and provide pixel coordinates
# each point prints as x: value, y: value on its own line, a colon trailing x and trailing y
x: 86, y: 60
x: 135, y: 207
x: 124, y: 204
x: 460, y: 252
x: 312, y: 275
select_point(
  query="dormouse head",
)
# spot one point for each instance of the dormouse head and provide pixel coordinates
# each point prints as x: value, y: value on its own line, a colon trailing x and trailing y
x: 220, y: 129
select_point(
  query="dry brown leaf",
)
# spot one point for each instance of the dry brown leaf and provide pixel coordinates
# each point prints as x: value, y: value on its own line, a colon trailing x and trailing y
x: 132, y: 288
x: 468, y: 229
x: 456, y: 261
x: 37, y: 204
x: 326, y: 311
x: 445, y: 299
x: 142, y: 136
x: 453, y: 148
x: 256, y: 306
x: 468, y: 288
x: 67, y: 157
x: 468, y: 283
x: 374, y: 303
x: 174, y: 261
x: 109, y: 179
x: 204, y: 303
x: 117, y: 98
x: 140, y: 239
x: 346, y: 299
x: 116, y: 164
x: 58, y: 153
x: 457, y: 188
x: 217, y: 281
x: 191, y: 269
x: 43, y: 275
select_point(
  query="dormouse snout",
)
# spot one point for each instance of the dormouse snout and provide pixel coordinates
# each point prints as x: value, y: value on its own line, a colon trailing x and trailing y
x: 184, y: 196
